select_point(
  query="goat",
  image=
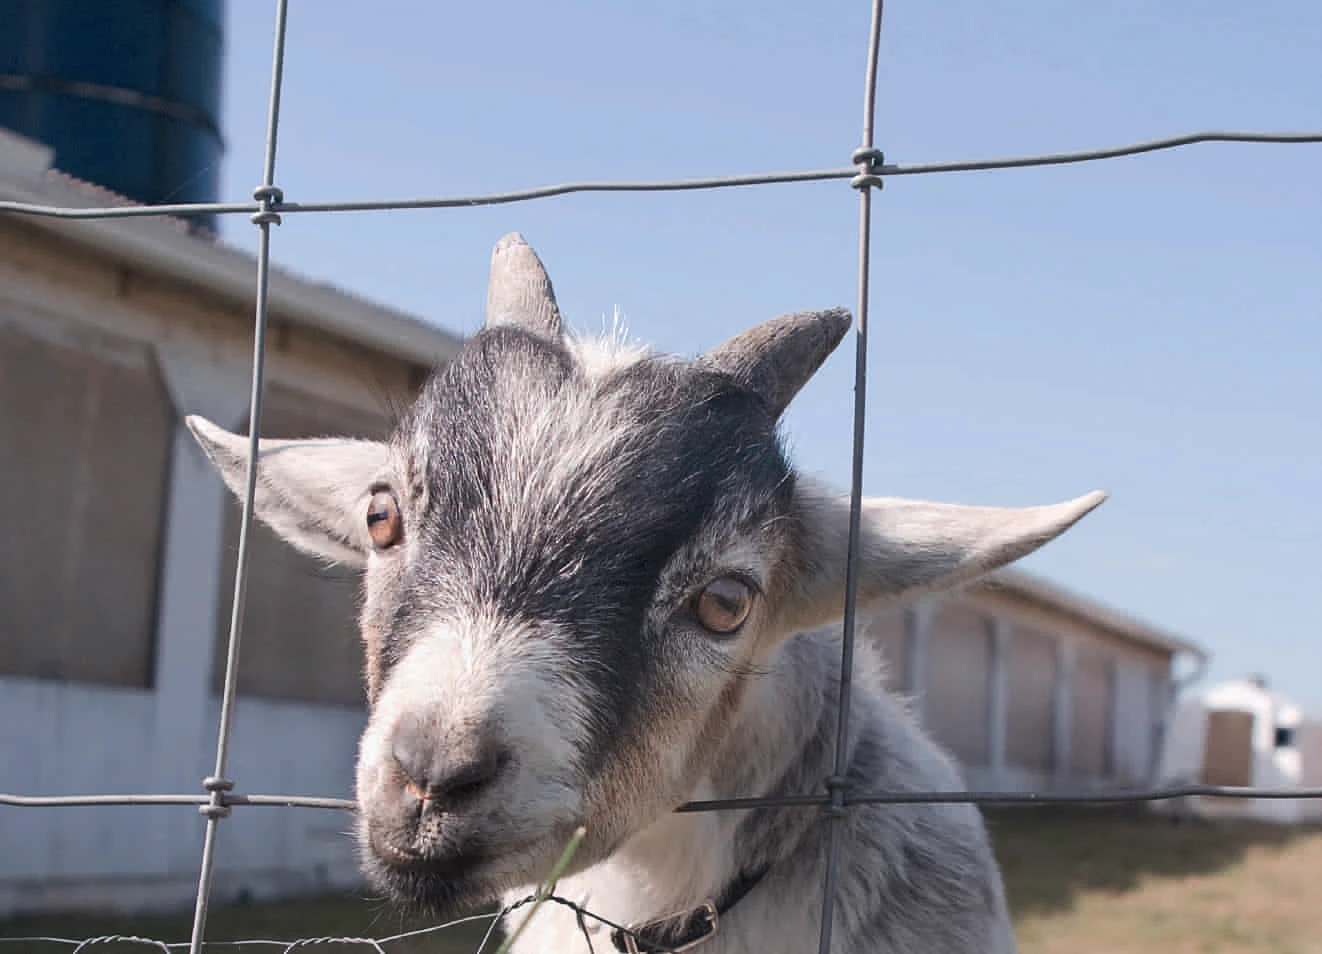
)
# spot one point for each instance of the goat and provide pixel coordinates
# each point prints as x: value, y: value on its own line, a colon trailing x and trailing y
x: 595, y: 589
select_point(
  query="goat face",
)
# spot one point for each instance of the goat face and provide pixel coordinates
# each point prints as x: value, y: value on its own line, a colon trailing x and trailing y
x: 575, y: 555
x: 577, y: 578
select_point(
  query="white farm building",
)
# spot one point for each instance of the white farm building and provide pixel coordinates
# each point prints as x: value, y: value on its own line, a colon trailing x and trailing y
x: 1241, y: 733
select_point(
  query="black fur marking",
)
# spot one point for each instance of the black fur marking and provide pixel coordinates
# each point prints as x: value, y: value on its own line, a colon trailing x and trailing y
x: 559, y: 498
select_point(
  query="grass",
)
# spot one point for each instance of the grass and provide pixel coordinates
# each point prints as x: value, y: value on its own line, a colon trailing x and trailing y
x: 1123, y: 882
x: 1098, y: 882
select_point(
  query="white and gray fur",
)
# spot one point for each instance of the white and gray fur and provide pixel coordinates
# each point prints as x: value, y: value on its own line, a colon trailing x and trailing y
x: 532, y: 645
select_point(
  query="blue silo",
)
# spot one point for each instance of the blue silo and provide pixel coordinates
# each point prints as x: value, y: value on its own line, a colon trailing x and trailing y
x: 126, y: 92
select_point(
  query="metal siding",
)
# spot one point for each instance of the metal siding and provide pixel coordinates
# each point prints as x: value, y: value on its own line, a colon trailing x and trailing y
x: 1090, y: 755
x: 955, y: 699
x: 1030, y: 680
x: 61, y: 738
x: 325, y: 738
x: 955, y: 702
x: 1309, y: 739
x: 86, y: 464
x: 65, y: 738
x: 1134, y: 722
x: 301, y: 637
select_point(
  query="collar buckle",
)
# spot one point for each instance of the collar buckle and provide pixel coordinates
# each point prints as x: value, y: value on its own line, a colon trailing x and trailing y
x: 697, y: 925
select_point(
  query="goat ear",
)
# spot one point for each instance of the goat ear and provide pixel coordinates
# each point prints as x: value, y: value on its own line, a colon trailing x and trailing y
x: 907, y: 547
x: 776, y: 358
x: 313, y: 493
x: 519, y: 292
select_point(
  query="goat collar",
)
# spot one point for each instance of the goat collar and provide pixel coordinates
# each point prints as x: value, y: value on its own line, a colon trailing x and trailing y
x: 687, y: 929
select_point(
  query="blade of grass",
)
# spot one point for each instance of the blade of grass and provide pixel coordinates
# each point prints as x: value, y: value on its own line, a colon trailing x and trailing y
x: 547, y: 887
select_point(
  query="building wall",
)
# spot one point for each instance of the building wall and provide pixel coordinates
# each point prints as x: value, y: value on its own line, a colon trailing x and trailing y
x: 1141, y: 699
x: 118, y: 563
x: 86, y: 434
x: 87, y: 739
x: 1026, y: 697
x: 1309, y: 740
x: 955, y: 696
x: 1092, y: 711
x: 1030, y: 715
x: 296, y: 607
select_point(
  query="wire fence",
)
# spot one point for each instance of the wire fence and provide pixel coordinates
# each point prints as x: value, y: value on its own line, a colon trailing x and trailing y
x: 867, y: 172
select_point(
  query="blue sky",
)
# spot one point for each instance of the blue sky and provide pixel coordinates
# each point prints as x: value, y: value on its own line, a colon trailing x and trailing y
x: 1151, y: 325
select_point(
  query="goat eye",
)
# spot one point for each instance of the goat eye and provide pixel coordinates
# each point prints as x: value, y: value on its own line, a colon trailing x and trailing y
x: 384, y: 524
x: 724, y: 604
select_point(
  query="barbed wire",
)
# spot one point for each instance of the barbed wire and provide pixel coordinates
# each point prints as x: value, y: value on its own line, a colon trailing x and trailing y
x: 868, y: 171
x: 581, y: 912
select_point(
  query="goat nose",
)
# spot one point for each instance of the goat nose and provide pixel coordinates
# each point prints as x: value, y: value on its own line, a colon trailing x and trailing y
x: 446, y: 775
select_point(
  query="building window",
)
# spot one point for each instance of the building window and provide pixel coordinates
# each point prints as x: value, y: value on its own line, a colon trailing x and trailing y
x: 85, y: 437
x: 300, y: 627
x: 1284, y: 736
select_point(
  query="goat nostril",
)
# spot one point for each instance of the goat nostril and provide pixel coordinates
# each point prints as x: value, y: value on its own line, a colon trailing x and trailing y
x: 446, y: 778
x: 466, y: 780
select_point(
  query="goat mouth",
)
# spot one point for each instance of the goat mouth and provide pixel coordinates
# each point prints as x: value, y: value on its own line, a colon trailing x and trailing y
x: 443, y: 884
x: 454, y: 861
x: 440, y: 887
x: 436, y: 884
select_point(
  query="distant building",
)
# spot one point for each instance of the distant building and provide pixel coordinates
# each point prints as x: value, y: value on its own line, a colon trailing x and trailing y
x: 116, y: 557
x: 1241, y: 733
x: 1034, y: 688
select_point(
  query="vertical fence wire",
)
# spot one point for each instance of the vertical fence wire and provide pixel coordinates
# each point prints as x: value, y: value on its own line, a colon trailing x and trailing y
x: 267, y: 194
x: 837, y: 784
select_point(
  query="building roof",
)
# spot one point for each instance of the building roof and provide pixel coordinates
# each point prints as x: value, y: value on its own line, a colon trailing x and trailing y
x: 163, y: 246
x: 1051, y: 596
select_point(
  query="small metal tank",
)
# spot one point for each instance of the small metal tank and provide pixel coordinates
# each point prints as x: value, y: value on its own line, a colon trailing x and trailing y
x: 126, y: 92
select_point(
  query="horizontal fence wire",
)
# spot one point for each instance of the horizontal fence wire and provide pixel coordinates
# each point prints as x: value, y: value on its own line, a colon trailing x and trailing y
x: 583, y: 914
x: 1167, y: 793
x: 881, y: 169
x: 374, y: 943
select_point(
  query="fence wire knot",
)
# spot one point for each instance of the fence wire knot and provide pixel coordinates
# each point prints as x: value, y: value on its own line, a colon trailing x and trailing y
x: 869, y: 162
x: 216, y: 808
x: 269, y: 197
x: 838, y: 786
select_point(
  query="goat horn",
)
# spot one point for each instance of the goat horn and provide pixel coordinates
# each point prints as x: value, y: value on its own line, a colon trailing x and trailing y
x: 776, y: 358
x: 520, y: 292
